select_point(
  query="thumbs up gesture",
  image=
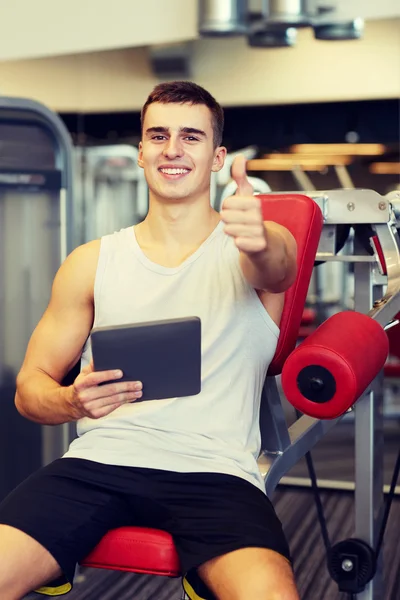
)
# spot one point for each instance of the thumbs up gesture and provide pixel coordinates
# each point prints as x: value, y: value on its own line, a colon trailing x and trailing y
x: 241, y: 213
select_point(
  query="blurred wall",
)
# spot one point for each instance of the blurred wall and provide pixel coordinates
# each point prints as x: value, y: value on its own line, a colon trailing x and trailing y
x: 37, y: 28
x: 313, y: 71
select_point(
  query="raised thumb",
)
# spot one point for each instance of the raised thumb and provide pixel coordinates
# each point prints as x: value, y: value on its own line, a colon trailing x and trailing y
x: 239, y: 175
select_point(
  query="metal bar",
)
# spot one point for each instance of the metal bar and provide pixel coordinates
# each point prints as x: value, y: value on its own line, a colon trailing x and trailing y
x: 343, y: 176
x: 349, y: 206
x: 304, y: 434
x: 63, y: 225
x: 368, y: 443
x: 302, y: 179
x: 369, y: 482
x: 345, y: 258
x: 329, y: 484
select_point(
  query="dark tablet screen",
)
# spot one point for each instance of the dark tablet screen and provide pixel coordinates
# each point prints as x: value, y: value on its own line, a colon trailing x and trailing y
x: 164, y: 355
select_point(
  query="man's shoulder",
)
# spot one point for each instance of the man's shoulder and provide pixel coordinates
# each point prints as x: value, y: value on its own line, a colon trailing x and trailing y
x: 82, y: 261
x: 87, y: 252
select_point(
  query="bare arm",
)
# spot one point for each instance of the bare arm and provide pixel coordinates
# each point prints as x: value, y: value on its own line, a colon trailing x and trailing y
x: 274, y: 268
x: 56, y: 343
x: 56, y: 346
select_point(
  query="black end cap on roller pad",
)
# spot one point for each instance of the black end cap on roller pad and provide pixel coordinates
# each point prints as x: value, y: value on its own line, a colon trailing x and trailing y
x: 316, y: 384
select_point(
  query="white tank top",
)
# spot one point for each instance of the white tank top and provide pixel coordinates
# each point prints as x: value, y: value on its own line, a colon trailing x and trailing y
x: 217, y: 430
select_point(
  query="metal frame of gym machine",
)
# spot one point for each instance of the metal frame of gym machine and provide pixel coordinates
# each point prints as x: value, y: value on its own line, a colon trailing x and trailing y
x: 21, y: 111
x: 283, y: 446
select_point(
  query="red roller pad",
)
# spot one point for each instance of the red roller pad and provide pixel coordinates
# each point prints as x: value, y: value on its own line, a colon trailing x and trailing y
x: 352, y: 347
x: 136, y: 549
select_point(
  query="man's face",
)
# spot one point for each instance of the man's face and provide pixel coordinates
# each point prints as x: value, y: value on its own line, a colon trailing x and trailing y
x: 177, y: 151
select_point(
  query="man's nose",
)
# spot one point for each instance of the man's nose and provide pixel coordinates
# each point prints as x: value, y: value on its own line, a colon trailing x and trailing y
x: 173, y: 148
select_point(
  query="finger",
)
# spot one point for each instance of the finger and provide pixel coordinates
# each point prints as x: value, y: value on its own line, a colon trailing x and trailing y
x: 250, y: 217
x: 121, y: 398
x: 238, y: 172
x: 248, y: 244
x: 246, y: 231
x: 242, y: 203
x: 110, y: 390
x: 96, y: 377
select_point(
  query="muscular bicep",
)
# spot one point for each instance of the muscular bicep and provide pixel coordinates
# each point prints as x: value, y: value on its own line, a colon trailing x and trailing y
x: 57, y: 342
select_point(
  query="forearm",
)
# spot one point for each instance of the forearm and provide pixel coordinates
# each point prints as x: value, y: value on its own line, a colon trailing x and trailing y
x: 43, y: 400
x: 273, y: 269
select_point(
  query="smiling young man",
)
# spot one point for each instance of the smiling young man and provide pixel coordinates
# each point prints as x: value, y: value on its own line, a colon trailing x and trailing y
x: 186, y: 465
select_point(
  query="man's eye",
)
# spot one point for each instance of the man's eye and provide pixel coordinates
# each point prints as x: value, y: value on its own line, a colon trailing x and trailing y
x: 158, y: 137
x: 191, y: 138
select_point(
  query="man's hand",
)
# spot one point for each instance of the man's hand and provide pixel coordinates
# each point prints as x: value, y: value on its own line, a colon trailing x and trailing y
x: 241, y: 213
x: 267, y: 250
x: 89, y: 399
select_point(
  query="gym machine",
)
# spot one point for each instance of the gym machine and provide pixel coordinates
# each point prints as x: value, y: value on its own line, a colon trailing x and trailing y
x: 36, y: 216
x: 356, y: 564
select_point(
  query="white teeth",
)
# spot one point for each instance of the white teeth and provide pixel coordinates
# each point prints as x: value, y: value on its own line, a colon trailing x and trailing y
x: 174, y: 171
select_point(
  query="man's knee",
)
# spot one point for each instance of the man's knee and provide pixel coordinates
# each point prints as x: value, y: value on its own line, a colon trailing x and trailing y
x: 261, y: 587
x: 268, y: 592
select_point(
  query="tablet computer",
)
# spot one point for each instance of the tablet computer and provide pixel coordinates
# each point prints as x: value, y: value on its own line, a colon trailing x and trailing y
x: 164, y: 355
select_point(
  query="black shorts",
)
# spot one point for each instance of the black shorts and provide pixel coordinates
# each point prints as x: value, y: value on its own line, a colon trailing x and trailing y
x: 70, y: 504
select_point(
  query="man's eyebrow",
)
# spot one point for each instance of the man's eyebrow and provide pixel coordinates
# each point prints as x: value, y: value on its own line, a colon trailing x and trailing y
x: 187, y: 130
x: 193, y: 130
x: 157, y: 130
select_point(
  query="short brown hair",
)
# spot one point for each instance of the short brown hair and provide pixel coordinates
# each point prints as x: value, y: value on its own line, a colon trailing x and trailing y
x: 180, y: 92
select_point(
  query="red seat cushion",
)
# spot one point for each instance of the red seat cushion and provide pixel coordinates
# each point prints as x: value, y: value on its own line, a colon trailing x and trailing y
x: 136, y: 549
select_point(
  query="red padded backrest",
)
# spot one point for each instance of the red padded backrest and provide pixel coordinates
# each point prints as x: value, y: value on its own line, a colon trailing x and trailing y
x: 303, y: 218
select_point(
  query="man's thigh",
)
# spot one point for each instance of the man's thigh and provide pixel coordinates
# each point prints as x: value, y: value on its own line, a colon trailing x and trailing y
x: 218, y: 518
x: 65, y: 507
x: 256, y: 573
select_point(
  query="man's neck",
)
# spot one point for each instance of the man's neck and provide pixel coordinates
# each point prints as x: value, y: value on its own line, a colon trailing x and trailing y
x: 177, y: 225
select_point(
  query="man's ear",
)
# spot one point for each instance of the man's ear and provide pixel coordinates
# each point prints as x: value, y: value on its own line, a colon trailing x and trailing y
x: 140, y: 157
x: 219, y: 159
